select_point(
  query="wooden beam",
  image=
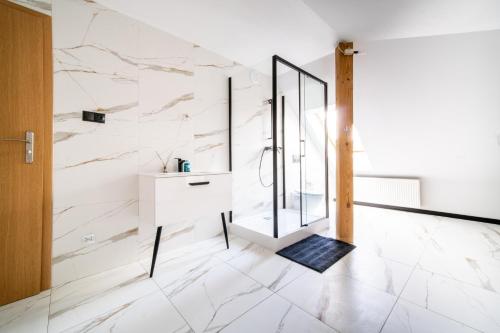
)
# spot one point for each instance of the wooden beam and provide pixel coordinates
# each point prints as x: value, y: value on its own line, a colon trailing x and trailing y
x: 344, y: 106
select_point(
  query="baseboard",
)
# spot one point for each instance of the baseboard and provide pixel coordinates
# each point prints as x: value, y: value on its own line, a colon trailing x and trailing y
x: 430, y: 212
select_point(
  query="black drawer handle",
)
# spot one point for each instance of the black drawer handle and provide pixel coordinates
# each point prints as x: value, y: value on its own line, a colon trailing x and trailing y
x: 199, y: 183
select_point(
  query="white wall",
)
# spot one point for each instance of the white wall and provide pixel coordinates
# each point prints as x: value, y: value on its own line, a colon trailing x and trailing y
x: 430, y: 108
x: 159, y: 93
x: 251, y: 130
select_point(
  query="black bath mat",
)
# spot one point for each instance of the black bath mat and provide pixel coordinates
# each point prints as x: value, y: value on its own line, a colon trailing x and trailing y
x: 316, y: 252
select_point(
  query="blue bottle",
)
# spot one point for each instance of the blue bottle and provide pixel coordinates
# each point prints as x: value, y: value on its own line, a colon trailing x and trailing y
x: 186, y: 166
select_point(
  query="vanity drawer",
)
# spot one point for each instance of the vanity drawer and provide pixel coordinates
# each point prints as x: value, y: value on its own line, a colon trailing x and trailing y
x: 191, y: 197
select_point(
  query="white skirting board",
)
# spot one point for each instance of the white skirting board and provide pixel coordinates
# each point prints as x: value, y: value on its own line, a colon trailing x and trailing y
x: 402, y: 192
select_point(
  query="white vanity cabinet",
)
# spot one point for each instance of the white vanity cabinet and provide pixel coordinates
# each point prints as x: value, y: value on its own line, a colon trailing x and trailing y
x: 166, y: 198
x: 174, y: 197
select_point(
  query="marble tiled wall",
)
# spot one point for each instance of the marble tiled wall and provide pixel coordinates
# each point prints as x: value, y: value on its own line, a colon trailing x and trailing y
x: 183, y: 113
x: 251, y: 133
x: 160, y: 94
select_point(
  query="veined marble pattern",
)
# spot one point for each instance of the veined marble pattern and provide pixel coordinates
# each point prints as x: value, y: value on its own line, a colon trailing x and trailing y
x: 384, y: 274
x: 408, y: 317
x: 276, y: 314
x: 204, y: 287
x: 267, y: 268
x: 149, y: 313
x: 115, y: 228
x: 394, y: 236
x: 29, y: 315
x: 95, y: 165
x: 251, y: 118
x: 468, y: 304
x: 93, y: 296
x: 478, y: 265
x: 222, y: 292
x: 339, y: 301
x: 161, y: 96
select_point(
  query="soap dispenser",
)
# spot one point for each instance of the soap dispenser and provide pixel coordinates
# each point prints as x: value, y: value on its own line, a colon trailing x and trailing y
x: 180, y: 162
x: 186, y: 166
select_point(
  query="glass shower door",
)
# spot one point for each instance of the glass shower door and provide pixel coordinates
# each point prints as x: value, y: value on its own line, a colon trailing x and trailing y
x: 299, y: 108
x: 313, y: 145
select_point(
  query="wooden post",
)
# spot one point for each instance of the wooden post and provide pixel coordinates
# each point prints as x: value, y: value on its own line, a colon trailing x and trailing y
x: 344, y: 105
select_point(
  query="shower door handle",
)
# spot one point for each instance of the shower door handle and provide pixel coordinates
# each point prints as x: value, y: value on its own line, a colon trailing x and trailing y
x: 29, y: 143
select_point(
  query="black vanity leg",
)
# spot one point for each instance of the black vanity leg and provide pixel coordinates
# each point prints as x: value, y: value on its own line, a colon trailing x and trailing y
x: 225, y: 228
x: 155, y: 250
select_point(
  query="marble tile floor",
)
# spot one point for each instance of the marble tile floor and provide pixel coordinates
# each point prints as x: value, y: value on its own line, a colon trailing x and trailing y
x: 409, y: 273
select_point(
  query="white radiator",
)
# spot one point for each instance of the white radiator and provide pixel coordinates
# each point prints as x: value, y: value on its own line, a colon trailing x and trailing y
x: 402, y: 192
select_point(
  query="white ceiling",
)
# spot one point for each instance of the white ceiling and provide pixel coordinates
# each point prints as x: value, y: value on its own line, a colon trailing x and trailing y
x: 246, y: 31
x: 251, y: 31
x: 390, y: 19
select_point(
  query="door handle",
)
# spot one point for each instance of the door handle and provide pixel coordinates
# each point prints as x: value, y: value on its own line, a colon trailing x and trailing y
x: 30, y: 145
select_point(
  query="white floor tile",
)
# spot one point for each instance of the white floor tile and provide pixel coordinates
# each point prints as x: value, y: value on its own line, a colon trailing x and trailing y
x: 29, y: 315
x: 237, y: 247
x: 411, y: 318
x: 209, y: 294
x: 340, y: 302
x: 367, y: 267
x: 484, y: 273
x: 471, y: 305
x: 205, y: 287
x: 152, y: 313
x: 275, y: 314
x: 394, y: 235
x: 475, y: 240
x: 91, y: 297
x: 266, y: 267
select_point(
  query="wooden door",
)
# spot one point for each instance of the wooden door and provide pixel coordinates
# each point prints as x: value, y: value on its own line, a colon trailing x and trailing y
x: 25, y: 189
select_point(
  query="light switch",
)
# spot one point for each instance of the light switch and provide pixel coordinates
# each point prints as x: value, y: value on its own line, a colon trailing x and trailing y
x: 95, y: 117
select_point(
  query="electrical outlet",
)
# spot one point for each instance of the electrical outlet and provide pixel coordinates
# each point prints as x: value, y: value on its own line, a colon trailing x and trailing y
x: 88, y: 239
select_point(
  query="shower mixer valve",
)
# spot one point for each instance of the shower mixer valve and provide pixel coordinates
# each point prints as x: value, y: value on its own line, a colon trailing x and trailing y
x: 271, y: 148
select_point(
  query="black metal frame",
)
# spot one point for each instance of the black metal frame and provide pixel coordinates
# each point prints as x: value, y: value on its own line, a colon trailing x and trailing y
x: 158, y: 240
x: 283, y: 146
x: 230, y: 116
x: 274, y: 129
x: 275, y: 61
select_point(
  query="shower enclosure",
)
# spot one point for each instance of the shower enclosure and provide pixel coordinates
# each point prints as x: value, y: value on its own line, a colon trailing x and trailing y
x: 279, y: 155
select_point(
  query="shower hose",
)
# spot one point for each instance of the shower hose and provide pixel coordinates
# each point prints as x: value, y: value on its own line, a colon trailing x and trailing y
x: 260, y: 165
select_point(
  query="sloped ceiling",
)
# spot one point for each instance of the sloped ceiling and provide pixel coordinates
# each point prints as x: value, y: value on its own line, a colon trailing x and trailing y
x: 392, y: 19
x: 251, y: 31
x: 246, y: 31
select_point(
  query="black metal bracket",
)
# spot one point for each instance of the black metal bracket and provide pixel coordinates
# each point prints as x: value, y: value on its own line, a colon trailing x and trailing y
x: 224, y: 227
x: 158, y: 239
x: 155, y: 250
